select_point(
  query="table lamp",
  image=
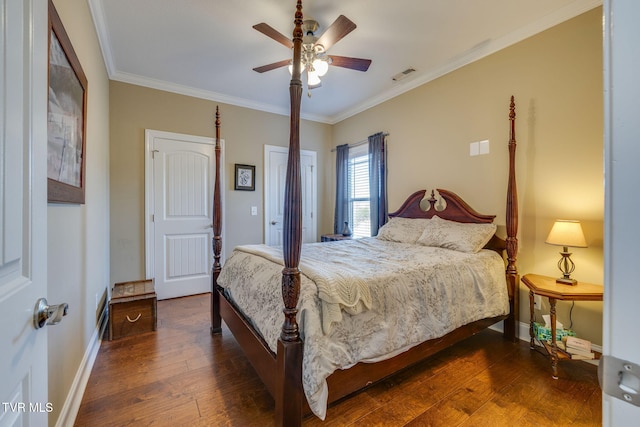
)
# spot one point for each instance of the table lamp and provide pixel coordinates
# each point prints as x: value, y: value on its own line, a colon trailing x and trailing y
x: 566, y: 233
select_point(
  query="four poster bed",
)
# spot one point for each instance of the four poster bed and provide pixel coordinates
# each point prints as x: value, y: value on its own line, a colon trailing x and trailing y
x: 365, y: 308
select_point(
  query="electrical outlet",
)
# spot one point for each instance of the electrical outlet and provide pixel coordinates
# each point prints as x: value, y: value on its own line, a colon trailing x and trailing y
x: 537, y: 302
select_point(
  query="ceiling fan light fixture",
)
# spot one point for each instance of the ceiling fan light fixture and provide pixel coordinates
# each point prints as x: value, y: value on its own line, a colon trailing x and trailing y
x: 313, y: 79
x: 290, y: 67
x: 313, y: 55
x: 320, y: 66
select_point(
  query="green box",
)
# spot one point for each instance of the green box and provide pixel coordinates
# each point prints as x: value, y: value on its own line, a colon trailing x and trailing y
x: 544, y: 334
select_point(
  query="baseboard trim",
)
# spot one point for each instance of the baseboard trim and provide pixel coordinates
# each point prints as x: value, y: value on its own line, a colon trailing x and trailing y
x: 71, y: 405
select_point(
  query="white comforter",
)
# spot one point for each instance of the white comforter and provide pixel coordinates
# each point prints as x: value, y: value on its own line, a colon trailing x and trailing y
x: 415, y: 293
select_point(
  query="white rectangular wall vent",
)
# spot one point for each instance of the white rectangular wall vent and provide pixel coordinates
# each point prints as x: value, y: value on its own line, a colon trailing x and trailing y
x: 401, y: 75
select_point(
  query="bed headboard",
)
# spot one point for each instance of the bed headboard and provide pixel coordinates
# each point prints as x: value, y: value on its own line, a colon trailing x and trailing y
x: 453, y: 209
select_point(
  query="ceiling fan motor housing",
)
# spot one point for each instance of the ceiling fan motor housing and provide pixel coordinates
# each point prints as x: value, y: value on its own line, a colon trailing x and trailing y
x: 309, y: 27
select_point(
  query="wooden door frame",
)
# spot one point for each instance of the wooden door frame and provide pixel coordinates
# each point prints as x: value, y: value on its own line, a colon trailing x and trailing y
x: 149, y: 211
x: 267, y: 184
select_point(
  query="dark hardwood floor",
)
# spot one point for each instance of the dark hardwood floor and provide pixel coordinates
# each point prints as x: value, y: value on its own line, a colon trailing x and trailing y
x: 182, y: 376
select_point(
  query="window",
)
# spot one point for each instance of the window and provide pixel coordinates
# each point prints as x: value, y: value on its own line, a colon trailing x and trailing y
x: 361, y: 186
x: 359, y: 198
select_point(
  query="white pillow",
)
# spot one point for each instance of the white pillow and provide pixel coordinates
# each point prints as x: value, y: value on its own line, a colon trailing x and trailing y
x: 402, y: 230
x: 463, y: 237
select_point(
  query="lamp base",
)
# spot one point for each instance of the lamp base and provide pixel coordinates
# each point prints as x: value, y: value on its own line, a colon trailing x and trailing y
x: 566, y: 266
x: 567, y: 281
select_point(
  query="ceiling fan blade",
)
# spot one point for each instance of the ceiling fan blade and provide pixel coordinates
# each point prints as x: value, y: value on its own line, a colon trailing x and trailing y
x: 351, y: 63
x: 269, y: 31
x: 273, y: 66
x: 336, y: 31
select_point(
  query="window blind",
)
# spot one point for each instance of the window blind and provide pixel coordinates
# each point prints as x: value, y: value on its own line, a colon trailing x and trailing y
x: 359, y: 207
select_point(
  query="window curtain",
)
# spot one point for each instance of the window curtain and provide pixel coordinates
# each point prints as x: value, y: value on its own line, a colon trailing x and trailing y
x: 342, y: 188
x: 377, y: 182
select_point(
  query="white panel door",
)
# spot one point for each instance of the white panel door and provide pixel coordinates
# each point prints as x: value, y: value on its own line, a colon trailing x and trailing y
x: 622, y: 231
x: 183, y: 173
x: 275, y: 177
x: 23, y: 211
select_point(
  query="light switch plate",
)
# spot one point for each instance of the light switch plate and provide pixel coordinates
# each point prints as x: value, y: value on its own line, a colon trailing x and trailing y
x: 474, y: 149
x: 484, y: 147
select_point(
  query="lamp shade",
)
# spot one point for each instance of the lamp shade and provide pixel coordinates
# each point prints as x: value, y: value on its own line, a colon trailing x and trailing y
x: 320, y: 66
x: 567, y: 233
x: 290, y: 68
x: 312, y: 79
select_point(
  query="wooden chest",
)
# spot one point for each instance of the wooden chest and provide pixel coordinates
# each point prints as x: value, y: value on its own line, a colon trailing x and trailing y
x: 132, y: 309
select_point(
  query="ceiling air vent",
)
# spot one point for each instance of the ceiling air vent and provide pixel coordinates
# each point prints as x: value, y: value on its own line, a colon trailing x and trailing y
x: 403, y: 74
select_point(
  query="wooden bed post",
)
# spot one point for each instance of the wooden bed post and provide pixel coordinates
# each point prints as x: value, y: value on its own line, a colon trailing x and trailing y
x: 216, y: 325
x: 289, y: 397
x: 511, y: 323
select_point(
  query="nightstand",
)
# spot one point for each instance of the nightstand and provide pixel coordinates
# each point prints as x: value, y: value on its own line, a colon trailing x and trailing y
x: 548, y: 287
x: 333, y: 237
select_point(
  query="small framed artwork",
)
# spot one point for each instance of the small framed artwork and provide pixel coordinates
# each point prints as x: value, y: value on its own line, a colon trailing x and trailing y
x: 245, y: 177
x: 66, y: 117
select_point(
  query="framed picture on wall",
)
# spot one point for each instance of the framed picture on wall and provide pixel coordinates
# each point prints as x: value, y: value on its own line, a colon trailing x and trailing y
x: 66, y: 118
x: 245, y: 177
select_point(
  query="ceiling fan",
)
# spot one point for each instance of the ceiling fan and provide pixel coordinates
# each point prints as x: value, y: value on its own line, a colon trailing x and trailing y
x: 315, y: 60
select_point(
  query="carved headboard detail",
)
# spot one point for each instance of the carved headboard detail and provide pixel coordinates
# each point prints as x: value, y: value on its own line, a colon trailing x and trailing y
x: 455, y: 209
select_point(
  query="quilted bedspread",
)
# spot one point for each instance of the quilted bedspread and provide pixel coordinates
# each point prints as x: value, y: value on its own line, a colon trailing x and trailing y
x: 364, y: 300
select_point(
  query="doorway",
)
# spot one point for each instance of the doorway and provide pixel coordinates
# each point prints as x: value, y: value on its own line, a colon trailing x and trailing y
x: 275, y: 171
x: 180, y: 171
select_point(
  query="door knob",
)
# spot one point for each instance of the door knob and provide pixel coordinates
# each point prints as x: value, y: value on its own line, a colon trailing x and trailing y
x: 45, y: 314
x: 274, y: 222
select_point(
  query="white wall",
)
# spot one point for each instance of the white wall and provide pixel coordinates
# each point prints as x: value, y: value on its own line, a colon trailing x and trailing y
x: 78, y: 235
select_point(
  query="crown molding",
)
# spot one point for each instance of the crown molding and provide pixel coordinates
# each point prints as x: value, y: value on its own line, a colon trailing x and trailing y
x: 209, y: 95
x: 479, y: 51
